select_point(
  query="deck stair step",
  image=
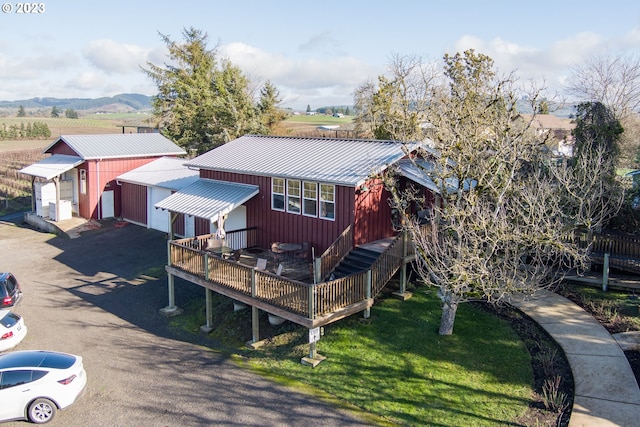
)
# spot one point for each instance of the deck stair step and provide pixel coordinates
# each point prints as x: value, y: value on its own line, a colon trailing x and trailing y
x: 359, y: 259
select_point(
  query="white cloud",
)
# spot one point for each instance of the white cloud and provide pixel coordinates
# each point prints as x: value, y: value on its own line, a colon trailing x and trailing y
x: 299, y: 74
x: 113, y: 57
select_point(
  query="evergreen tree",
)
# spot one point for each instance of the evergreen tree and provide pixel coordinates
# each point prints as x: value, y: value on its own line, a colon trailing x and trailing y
x: 55, y: 112
x: 269, y: 106
x: 21, y: 112
x: 202, y: 102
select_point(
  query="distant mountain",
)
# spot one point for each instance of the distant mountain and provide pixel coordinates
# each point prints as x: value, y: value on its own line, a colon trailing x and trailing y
x: 134, y: 101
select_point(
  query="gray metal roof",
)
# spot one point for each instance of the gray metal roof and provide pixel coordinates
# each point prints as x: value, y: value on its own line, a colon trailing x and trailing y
x: 166, y: 172
x: 207, y: 198
x: 119, y: 145
x: 346, y: 162
x: 52, y: 166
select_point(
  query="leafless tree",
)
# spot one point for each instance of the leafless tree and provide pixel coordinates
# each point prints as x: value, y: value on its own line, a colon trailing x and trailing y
x: 506, y: 209
x: 613, y: 80
x: 395, y: 106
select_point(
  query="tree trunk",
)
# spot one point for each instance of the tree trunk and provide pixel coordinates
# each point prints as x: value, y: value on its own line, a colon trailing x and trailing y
x: 449, y: 309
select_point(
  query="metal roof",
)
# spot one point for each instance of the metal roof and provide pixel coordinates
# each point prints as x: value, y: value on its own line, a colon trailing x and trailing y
x: 119, y: 145
x: 347, y: 162
x: 166, y: 172
x: 208, y: 198
x: 418, y: 171
x: 52, y: 166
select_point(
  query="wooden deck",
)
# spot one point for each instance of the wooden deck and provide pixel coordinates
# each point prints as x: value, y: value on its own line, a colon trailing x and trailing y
x: 292, y: 294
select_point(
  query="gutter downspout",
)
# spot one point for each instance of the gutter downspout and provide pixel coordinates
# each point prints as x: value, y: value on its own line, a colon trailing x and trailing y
x: 98, y: 192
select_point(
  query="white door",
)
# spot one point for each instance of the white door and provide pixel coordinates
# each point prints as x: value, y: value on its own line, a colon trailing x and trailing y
x: 236, y: 220
x: 107, y: 205
x: 158, y: 219
x: 189, y: 226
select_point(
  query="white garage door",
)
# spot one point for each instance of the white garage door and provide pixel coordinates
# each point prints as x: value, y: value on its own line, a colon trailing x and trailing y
x: 158, y: 218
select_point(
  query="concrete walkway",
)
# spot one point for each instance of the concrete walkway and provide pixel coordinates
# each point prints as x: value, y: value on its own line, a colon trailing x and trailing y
x: 606, y: 391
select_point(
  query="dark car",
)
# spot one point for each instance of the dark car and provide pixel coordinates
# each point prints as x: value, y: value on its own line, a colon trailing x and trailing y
x: 10, y: 292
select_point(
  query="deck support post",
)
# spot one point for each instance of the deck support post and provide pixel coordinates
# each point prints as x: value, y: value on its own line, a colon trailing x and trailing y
x: 171, y: 309
x: 208, y: 301
x: 605, y: 272
x: 255, y: 314
x: 367, y: 311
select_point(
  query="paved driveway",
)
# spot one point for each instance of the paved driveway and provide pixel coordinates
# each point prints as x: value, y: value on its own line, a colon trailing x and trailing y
x: 85, y: 296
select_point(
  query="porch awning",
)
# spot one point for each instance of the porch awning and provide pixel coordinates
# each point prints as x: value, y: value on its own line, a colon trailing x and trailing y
x: 418, y: 174
x: 52, y: 166
x: 207, y: 198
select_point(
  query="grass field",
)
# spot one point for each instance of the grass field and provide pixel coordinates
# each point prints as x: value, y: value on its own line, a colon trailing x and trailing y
x: 394, y: 365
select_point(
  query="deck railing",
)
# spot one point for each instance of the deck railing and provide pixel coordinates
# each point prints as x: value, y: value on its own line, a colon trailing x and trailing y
x: 236, y: 239
x: 334, y: 253
x: 387, y: 264
x: 310, y: 301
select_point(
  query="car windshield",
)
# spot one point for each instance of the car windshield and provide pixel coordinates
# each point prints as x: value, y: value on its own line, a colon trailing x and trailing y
x: 9, y: 319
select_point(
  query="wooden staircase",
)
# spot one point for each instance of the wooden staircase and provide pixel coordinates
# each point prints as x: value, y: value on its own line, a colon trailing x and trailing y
x: 357, y: 260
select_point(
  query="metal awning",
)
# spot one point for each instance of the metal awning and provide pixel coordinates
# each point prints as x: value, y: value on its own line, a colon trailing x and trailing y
x: 52, y: 166
x: 417, y: 172
x: 208, y: 198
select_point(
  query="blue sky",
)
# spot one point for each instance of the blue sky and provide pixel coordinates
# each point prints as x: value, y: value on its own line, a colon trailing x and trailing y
x: 316, y: 53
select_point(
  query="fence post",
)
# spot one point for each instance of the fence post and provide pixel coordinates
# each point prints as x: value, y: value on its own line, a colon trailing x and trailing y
x: 367, y: 311
x: 317, y: 267
x: 605, y: 272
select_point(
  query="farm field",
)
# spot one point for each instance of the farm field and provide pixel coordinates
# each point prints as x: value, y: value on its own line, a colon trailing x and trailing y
x: 16, y: 154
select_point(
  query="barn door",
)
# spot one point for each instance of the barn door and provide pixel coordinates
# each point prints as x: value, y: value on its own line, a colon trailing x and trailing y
x: 107, y: 205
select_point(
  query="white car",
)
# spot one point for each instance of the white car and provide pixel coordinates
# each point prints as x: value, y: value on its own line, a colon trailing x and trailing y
x: 34, y: 384
x: 12, y: 329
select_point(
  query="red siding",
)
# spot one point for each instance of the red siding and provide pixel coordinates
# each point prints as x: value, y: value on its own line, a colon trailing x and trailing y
x: 275, y: 226
x: 62, y: 148
x: 134, y: 203
x: 101, y: 176
x: 372, y: 213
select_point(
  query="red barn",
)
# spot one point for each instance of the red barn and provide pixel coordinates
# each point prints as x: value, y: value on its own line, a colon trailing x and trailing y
x: 82, y: 170
x: 291, y: 189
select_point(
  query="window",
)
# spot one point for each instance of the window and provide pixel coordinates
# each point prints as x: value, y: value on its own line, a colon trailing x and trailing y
x: 310, y: 198
x: 293, y: 196
x: 327, y: 201
x: 303, y: 197
x: 83, y: 181
x: 277, y: 194
x: 14, y: 378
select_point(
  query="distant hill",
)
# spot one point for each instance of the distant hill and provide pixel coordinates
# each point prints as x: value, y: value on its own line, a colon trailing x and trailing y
x: 132, y: 101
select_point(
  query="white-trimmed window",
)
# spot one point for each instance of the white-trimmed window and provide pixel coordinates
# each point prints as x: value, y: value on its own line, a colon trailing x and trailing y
x: 310, y: 198
x: 83, y: 181
x: 293, y: 196
x: 327, y: 201
x: 277, y: 194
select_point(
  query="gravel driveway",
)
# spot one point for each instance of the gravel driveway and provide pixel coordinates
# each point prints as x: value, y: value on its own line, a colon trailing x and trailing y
x: 86, y: 296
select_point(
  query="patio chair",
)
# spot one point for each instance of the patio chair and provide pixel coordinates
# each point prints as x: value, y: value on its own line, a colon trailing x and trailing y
x: 261, y: 264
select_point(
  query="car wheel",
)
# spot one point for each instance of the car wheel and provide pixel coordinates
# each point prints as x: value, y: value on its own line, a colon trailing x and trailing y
x: 41, y: 411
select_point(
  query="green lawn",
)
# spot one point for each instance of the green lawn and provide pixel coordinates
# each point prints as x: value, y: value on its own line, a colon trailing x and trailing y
x: 397, y: 368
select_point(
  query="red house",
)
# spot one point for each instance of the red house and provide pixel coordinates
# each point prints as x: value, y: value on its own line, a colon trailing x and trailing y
x: 79, y: 178
x: 321, y: 201
x: 291, y: 189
